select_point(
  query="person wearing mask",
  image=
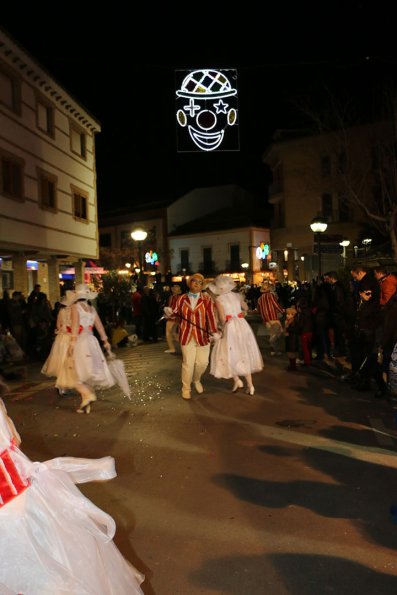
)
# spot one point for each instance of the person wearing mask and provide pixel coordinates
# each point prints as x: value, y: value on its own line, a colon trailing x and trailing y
x: 198, y: 327
x: 270, y: 311
x: 89, y: 361
x: 236, y: 353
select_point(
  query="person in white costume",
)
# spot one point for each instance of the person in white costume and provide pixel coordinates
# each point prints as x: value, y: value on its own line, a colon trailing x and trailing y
x: 90, y: 364
x: 236, y: 353
x: 58, y: 363
x: 54, y: 540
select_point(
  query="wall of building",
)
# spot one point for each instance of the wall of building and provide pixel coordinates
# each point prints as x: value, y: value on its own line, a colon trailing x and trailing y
x: 26, y: 228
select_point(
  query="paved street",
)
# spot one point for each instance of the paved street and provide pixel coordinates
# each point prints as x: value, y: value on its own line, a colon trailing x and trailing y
x: 286, y: 492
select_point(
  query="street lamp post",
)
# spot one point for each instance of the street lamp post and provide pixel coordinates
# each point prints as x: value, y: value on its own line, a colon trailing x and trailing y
x: 318, y: 226
x: 139, y: 235
x: 344, y: 244
x: 366, y: 242
x: 245, y: 266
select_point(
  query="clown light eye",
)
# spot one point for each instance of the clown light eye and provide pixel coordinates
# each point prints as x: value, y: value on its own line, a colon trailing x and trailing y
x: 181, y: 117
x: 206, y: 120
x: 231, y: 117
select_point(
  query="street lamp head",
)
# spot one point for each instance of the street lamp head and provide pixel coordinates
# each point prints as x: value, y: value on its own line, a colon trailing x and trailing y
x: 244, y: 265
x: 139, y: 235
x: 318, y: 225
x: 366, y: 241
x: 344, y: 243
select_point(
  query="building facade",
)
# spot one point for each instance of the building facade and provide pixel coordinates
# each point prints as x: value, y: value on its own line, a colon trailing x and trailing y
x: 322, y: 175
x: 48, y: 197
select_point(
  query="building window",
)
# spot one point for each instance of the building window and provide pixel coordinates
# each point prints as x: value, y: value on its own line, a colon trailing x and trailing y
x: 343, y: 208
x: 325, y: 166
x: 279, y: 214
x: 80, y: 204
x: 105, y: 240
x: 342, y: 162
x: 45, y: 117
x: 78, y: 141
x: 235, y: 257
x: 207, y: 260
x: 47, y: 190
x: 125, y: 239
x: 278, y: 179
x: 326, y: 206
x: 7, y: 278
x: 207, y: 256
x: 11, y: 176
x: 10, y: 89
x: 185, y: 261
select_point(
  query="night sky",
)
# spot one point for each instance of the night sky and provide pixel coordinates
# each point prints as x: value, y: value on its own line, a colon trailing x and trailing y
x: 121, y: 66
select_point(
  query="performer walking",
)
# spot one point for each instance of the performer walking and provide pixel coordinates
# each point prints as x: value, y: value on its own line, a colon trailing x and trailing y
x: 57, y: 363
x: 90, y: 364
x: 270, y: 311
x: 53, y: 539
x: 196, y: 330
x: 236, y: 353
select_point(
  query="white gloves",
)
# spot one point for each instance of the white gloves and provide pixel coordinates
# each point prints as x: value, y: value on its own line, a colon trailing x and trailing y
x: 168, y: 312
x: 215, y: 337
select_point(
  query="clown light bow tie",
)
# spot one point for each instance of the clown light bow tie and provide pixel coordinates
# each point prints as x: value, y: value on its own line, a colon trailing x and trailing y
x: 193, y: 295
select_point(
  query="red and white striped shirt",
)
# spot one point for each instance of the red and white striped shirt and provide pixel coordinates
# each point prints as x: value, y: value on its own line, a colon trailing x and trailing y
x: 269, y: 307
x: 198, y: 322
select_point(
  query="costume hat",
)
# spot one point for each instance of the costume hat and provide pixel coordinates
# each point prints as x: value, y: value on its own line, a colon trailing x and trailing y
x: 68, y: 298
x: 221, y: 285
x: 83, y: 292
x: 198, y: 276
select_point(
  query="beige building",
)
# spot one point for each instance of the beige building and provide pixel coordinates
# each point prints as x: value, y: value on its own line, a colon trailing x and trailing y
x: 117, y: 248
x: 48, y: 199
x: 320, y: 176
x: 219, y: 229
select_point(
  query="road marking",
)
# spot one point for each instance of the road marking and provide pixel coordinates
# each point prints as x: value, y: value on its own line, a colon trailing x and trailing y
x: 381, y: 434
x: 368, y: 454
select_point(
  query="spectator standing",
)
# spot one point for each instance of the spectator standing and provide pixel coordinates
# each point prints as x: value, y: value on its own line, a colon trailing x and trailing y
x: 171, y: 327
x: 291, y: 337
x: 387, y: 282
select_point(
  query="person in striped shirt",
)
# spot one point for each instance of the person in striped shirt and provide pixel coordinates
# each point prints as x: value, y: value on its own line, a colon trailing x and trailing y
x: 270, y: 311
x: 197, y: 328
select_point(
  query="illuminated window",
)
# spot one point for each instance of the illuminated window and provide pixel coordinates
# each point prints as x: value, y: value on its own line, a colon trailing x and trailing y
x: 10, y: 89
x: 11, y: 175
x: 80, y: 204
x: 78, y: 141
x: 47, y: 190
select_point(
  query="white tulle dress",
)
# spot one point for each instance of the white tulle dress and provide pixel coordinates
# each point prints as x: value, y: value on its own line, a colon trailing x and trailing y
x: 53, y: 540
x: 90, y: 363
x: 237, y: 352
x: 58, y: 363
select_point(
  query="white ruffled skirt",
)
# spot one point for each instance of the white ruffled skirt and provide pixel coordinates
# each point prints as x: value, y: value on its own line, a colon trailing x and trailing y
x: 54, y: 541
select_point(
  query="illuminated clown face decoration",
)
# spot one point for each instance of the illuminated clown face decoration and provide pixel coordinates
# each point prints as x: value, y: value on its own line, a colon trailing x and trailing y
x: 206, y: 107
